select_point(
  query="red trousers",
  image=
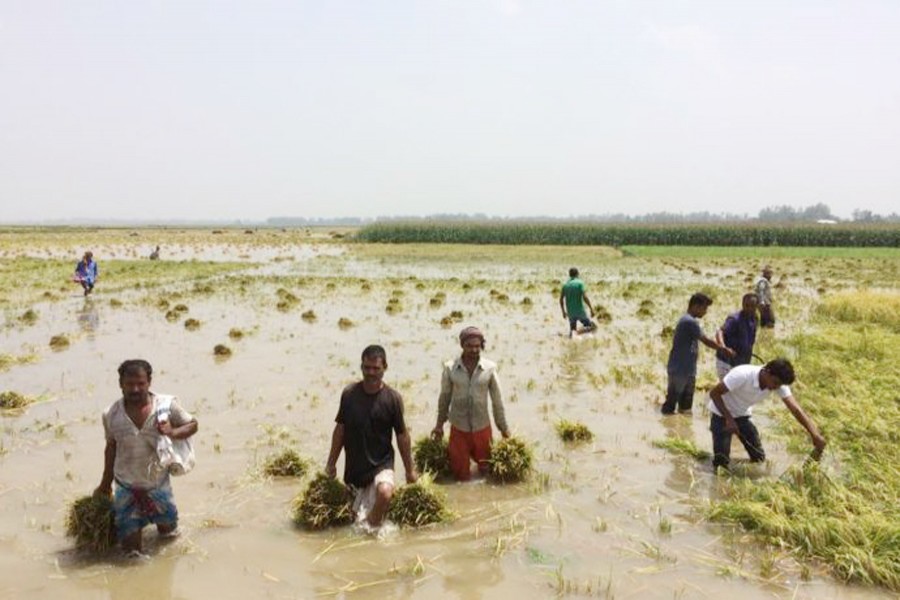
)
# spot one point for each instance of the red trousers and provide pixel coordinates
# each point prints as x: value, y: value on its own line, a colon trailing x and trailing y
x: 469, y: 445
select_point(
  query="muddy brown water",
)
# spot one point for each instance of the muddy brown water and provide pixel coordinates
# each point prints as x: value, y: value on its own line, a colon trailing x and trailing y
x: 596, y: 528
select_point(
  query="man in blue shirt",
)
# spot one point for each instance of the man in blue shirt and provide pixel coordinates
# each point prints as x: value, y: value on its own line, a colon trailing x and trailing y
x: 738, y: 333
x: 86, y: 272
x: 682, y: 366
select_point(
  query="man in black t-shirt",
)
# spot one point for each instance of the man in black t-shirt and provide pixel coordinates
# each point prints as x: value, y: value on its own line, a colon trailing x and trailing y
x: 370, y: 411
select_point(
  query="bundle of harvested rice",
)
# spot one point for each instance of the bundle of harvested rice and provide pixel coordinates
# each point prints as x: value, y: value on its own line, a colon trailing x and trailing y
x: 431, y: 455
x: 511, y: 460
x: 90, y: 522
x: 287, y: 463
x: 569, y: 431
x: 417, y: 504
x: 325, y: 502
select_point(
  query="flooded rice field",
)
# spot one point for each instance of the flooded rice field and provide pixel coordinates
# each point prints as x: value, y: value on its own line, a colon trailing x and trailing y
x: 613, y: 518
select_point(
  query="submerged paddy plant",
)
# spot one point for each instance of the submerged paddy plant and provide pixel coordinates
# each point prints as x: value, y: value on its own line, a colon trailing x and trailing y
x: 29, y: 317
x: 59, y: 342
x: 236, y: 333
x: 684, y: 447
x: 192, y: 324
x: 221, y: 351
x: 345, y: 323
x: 90, y: 522
x: 10, y: 399
x: 309, y: 316
x: 573, y: 431
x: 325, y: 502
x: 431, y: 455
x: 420, y: 503
x: 512, y: 460
x: 287, y: 463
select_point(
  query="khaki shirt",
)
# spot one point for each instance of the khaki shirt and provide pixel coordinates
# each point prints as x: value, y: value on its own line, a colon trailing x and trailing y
x: 464, y: 399
x: 764, y: 291
x: 137, y: 463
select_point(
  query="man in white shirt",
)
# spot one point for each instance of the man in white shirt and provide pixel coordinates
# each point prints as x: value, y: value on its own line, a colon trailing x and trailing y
x: 731, y: 406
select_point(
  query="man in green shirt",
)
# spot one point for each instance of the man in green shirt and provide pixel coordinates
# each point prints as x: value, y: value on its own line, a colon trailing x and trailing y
x: 572, y: 300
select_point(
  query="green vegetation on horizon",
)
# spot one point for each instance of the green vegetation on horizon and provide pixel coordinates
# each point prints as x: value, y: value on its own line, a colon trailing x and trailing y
x: 604, y: 234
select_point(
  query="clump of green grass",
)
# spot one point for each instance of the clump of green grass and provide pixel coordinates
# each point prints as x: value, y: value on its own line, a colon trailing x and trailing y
x: 512, y: 459
x: 570, y: 431
x: 90, y: 522
x: 192, y: 324
x: 287, y: 463
x: 324, y: 503
x: 10, y: 399
x: 686, y: 447
x: 221, y: 350
x: 417, y: 504
x: 59, y: 342
x: 431, y: 455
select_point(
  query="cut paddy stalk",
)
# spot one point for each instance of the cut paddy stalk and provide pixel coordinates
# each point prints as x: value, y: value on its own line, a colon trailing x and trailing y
x: 324, y: 503
x: 685, y: 447
x: 572, y: 431
x: 287, y: 463
x: 512, y: 460
x: 431, y: 455
x: 420, y: 503
x: 90, y: 522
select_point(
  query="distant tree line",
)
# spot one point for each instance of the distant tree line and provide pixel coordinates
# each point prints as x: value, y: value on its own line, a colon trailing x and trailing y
x: 772, y: 214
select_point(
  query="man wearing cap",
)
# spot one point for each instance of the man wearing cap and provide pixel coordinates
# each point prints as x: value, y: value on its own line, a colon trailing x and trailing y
x: 465, y: 385
x: 764, y: 294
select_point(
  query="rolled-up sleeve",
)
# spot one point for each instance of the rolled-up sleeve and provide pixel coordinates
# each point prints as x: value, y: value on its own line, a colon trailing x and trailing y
x: 445, y: 396
x: 496, y: 392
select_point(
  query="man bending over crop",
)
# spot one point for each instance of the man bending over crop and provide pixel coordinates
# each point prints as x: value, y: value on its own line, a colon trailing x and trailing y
x: 731, y: 402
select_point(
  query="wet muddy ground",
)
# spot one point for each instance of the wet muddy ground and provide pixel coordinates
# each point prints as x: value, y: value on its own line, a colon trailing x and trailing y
x: 615, y: 518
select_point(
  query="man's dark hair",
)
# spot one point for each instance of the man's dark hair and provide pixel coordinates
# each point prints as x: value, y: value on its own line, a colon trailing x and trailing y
x: 700, y: 299
x: 782, y: 369
x: 749, y: 296
x: 375, y: 351
x: 133, y: 366
x: 573, y: 272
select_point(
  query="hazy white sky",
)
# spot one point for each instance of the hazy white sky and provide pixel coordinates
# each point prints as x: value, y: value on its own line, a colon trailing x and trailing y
x: 244, y: 110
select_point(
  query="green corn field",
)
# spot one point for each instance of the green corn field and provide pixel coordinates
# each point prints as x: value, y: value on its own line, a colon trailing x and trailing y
x: 604, y: 234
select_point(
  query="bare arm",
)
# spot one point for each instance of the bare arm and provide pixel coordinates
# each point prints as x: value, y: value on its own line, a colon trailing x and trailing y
x: 109, y: 459
x: 403, y: 444
x: 716, y: 394
x: 562, y: 305
x: 587, y: 302
x: 337, y: 444
x: 817, y: 439
x: 181, y: 432
x: 716, y: 345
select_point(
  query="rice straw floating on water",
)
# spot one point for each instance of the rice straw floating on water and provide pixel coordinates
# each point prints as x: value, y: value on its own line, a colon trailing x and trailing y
x: 325, y: 502
x: 90, y: 522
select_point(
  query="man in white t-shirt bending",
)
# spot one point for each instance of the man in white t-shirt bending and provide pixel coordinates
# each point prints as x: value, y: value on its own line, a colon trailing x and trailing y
x: 731, y: 404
